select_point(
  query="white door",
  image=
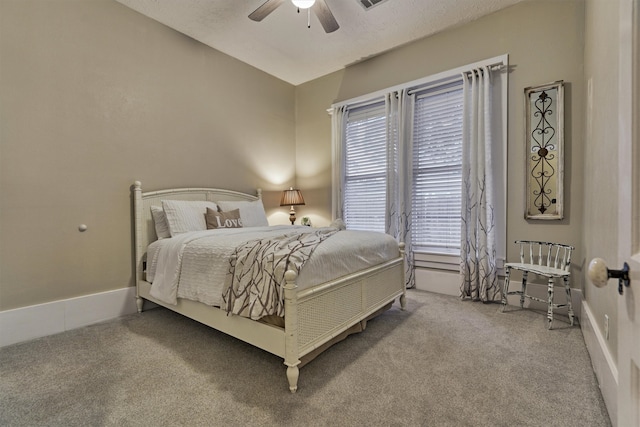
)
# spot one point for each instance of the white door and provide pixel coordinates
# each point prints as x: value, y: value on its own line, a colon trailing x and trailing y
x: 629, y: 216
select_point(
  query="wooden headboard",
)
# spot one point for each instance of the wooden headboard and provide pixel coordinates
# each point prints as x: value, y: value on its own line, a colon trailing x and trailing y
x: 144, y: 229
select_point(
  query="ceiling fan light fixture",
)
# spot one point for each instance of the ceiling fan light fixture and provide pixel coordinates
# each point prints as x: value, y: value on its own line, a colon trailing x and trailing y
x: 320, y: 9
x: 303, y: 4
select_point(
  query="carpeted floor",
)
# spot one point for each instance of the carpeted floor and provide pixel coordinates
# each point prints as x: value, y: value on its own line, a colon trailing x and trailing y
x: 442, y: 362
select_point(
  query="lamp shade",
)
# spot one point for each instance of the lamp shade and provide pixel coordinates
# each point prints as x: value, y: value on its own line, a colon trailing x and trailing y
x: 291, y: 197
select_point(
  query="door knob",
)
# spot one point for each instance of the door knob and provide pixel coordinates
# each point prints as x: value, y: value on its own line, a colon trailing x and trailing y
x: 599, y: 274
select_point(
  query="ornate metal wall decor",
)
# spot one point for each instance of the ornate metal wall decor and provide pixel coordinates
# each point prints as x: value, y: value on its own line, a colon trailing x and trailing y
x: 544, y: 118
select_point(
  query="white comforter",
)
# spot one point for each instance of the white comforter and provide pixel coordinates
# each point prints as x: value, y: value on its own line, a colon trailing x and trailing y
x: 194, y: 265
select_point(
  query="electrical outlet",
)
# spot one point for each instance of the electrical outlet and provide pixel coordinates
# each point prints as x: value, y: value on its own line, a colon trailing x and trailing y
x: 606, y: 327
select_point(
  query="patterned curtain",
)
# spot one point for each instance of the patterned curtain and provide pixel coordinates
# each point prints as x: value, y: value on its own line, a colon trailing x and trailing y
x: 399, y: 107
x: 478, y: 242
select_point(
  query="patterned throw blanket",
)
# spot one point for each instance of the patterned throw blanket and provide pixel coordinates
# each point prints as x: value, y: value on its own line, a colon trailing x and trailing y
x: 254, y: 284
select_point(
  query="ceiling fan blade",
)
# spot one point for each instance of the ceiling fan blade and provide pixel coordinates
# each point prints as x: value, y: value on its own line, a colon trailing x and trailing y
x: 325, y: 16
x: 267, y: 7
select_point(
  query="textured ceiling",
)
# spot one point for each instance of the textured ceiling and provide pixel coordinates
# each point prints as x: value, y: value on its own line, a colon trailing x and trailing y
x: 283, y: 46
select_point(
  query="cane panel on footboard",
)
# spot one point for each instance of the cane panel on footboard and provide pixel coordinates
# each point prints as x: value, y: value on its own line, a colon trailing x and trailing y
x: 325, y: 313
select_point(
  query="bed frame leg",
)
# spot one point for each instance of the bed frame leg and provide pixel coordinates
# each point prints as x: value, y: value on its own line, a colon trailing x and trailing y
x: 292, y: 376
x: 139, y: 304
x: 291, y: 330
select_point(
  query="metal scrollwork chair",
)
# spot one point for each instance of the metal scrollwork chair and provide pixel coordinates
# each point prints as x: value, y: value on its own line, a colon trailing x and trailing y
x: 551, y: 260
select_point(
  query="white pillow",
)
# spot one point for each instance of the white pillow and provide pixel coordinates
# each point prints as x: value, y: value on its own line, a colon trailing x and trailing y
x: 251, y: 213
x: 186, y: 215
x: 160, y: 222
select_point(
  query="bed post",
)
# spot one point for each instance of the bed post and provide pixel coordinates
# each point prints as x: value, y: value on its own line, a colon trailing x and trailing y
x: 137, y: 206
x: 291, y: 329
x: 403, y: 297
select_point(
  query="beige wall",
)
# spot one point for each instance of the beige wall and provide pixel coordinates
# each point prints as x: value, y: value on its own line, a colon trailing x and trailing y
x: 94, y: 96
x: 601, y: 157
x: 544, y: 40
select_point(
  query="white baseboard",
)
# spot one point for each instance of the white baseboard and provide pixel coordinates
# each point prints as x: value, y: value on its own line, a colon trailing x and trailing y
x: 603, y: 363
x: 26, y: 323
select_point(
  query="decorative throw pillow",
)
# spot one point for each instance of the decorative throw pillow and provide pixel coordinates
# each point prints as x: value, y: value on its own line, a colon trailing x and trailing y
x: 186, y: 215
x: 160, y: 222
x: 252, y: 213
x: 230, y: 219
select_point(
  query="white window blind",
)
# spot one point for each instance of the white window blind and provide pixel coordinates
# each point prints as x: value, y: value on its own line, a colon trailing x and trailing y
x: 437, y: 169
x: 365, y: 168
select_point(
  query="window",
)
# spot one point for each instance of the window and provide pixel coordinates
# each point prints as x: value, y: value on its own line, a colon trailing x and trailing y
x: 437, y: 170
x: 365, y: 176
x: 437, y: 158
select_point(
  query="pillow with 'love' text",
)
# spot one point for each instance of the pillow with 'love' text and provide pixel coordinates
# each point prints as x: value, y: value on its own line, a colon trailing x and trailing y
x: 229, y: 219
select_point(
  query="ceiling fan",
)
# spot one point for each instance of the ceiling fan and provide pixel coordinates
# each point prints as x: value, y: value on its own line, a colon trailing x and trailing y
x: 319, y: 7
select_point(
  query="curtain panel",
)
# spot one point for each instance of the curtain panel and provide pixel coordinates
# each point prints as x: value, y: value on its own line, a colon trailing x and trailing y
x: 399, y: 173
x: 478, y: 267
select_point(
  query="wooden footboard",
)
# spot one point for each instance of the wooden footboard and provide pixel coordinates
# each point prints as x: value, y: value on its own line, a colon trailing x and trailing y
x: 328, y: 310
x: 316, y: 315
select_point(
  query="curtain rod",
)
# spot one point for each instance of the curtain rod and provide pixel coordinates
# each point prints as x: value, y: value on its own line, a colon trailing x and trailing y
x: 498, y: 61
x: 457, y: 78
x: 493, y: 67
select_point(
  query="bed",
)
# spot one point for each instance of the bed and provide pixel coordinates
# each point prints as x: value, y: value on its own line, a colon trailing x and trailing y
x: 314, y: 316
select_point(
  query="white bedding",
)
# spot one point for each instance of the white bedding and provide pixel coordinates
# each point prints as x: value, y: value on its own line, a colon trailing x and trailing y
x: 194, y: 265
